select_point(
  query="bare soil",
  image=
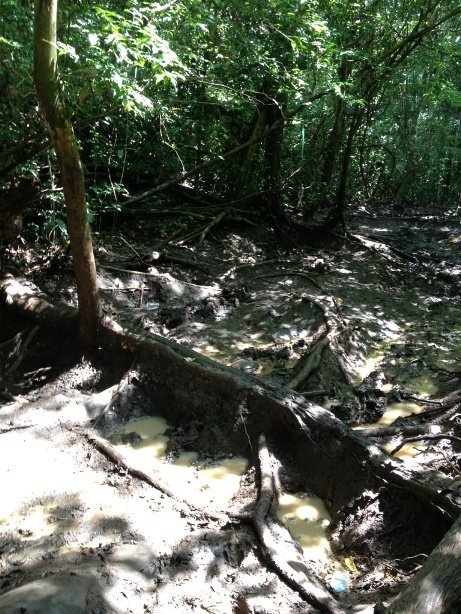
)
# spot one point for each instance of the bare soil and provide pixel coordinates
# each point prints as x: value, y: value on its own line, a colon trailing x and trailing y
x: 355, y: 326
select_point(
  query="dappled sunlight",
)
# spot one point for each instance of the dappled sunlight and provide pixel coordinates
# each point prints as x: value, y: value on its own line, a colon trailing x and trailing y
x: 306, y: 517
x: 204, y: 477
x: 229, y: 235
x: 399, y: 410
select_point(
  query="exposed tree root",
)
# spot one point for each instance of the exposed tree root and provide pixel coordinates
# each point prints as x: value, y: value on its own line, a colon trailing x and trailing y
x: 315, y: 436
x: 302, y: 582
x: 436, y: 588
x: 115, y: 395
x: 332, y: 329
x: 114, y: 455
x: 23, y: 351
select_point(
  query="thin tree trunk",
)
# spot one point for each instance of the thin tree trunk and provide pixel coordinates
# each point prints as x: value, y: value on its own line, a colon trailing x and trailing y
x: 333, y: 148
x: 63, y: 138
x: 337, y: 215
x: 273, y: 153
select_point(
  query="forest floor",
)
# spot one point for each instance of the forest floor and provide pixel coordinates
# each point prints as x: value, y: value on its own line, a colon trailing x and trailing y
x: 368, y: 327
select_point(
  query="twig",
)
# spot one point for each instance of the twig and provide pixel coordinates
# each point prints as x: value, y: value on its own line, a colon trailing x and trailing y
x: 421, y: 400
x: 132, y: 289
x: 424, y: 438
x: 136, y: 253
x: 292, y: 274
x: 252, y: 265
x: 40, y: 371
x: 452, y: 465
x: 15, y: 428
x: 313, y: 393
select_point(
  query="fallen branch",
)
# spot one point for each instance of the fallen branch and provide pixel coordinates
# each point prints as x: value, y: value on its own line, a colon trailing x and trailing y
x: 382, y: 432
x: 379, y: 246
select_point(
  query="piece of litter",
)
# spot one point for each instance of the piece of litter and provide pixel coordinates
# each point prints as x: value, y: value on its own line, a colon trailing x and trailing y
x: 339, y: 581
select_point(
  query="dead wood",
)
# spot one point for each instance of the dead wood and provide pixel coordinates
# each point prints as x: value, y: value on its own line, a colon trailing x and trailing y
x: 383, y: 432
x: 379, y: 246
x: 156, y: 274
x: 302, y: 582
x: 435, y: 589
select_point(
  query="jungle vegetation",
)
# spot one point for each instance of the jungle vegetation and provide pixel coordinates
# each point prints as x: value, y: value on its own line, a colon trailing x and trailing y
x: 299, y: 112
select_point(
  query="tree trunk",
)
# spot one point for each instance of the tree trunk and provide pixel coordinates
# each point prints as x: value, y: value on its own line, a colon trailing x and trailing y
x: 409, y: 129
x: 273, y: 156
x: 436, y: 588
x: 63, y: 138
x: 335, y: 139
x: 269, y: 113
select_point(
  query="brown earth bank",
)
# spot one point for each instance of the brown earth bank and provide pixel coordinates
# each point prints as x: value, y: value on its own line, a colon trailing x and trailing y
x: 240, y: 348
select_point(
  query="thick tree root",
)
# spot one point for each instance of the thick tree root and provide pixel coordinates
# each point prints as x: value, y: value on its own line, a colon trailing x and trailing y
x: 436, y: 588
x: 303, y: 582
x: 317, y: 437
x: 116, y: 395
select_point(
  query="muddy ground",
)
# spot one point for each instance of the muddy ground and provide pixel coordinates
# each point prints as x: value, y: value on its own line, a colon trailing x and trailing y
x: 358, y: 326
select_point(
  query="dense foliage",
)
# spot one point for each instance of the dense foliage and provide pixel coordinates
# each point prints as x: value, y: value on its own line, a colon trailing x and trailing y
x: 365, y: 95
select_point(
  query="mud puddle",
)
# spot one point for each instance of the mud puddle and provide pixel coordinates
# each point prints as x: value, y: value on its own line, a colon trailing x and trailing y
x: 216, y: 482
x: 206, y: 478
